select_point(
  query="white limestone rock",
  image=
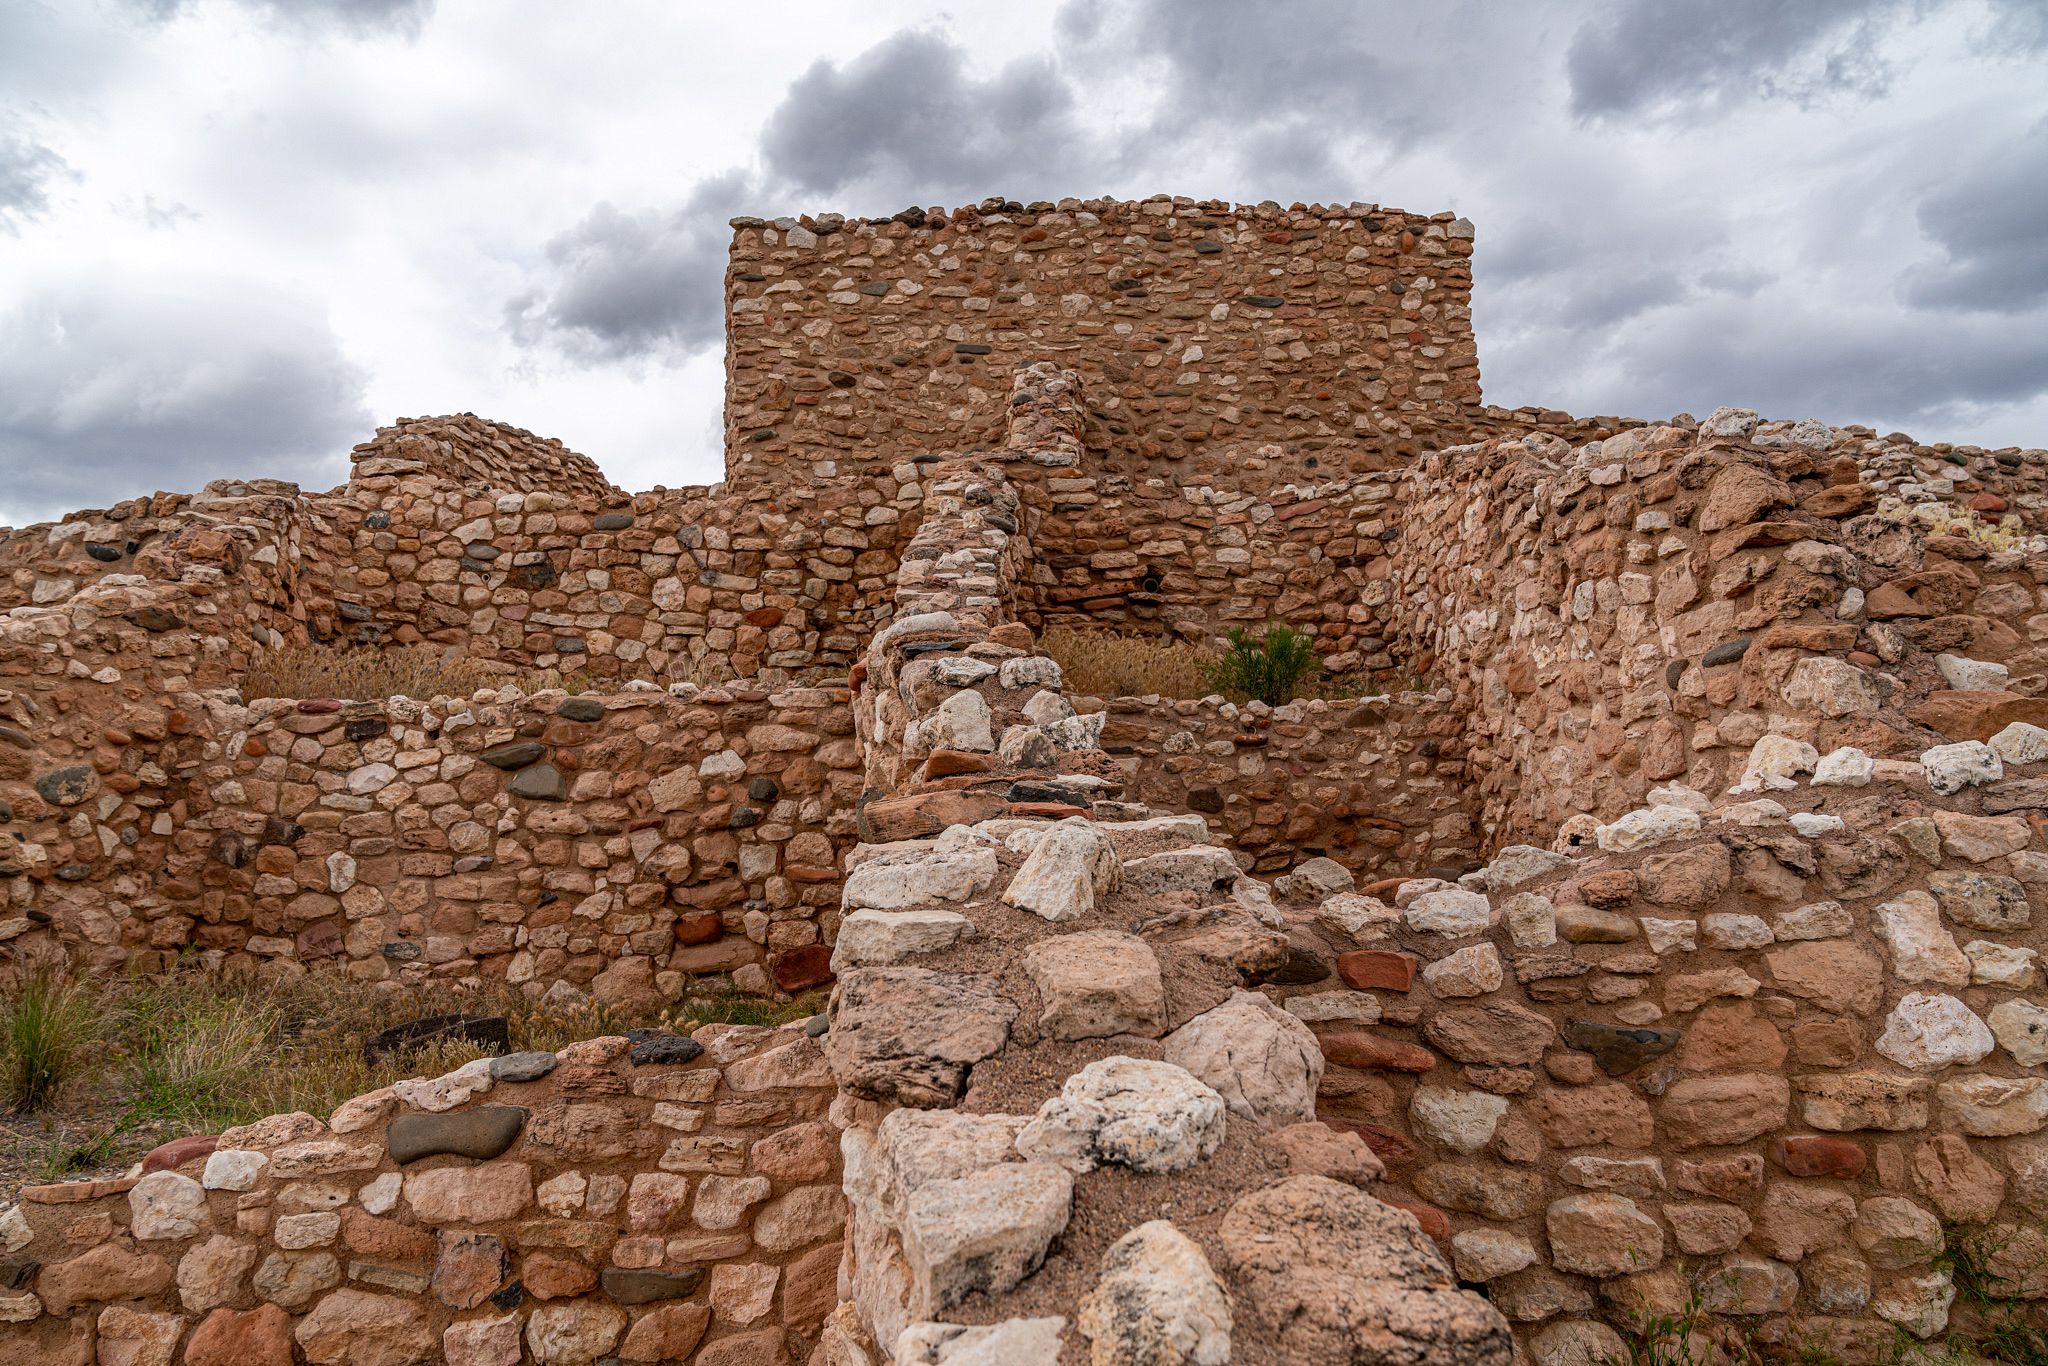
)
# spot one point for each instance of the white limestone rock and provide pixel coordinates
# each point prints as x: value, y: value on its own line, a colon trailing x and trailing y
x: 963, y: 721
x: 1774, y: 763
x: 2021, y: 1028
x: 1158, y: 1303
x: 1844, y: 767
x: 1646, y: 826
x: 1472, y: 971
x: 1827, y: 687
x: 1763, y: 811
x: 1927, y: 1032
x: 1030, y: 671
x: 1967, y: 763
x: 1320, y: 1007
x: 1077, y: 732
x: 983, y: 1232
x: 1972, y: 675
x: 2020, y: 743
x: 1517, y: 864
x: 1197, y: 868
x: 1364, y: 918
x: 1483, y: 1254
x: 899, y: 881
x: 166, y: 1205
x: 1918, y: 1303
x: 1451, y: 911
x: 1462, y: 1121
x: 1678, y: 794
x: 1995, y: 1107
x: 1814, y: 824
x: 1013, y: 1342
x: 1820, y: 920
x: 870, y: 937
x: 445, y: 1092
x: 1531, y: 920
x: 1072, y: 866
x: 1262, y: 1060
x: 1127, y: 1112
x: 1921, y: 947
x: 1735, y: 931
x: 960, y: 671
x: 2000, y: 965
x: 1047, y: 707
x: 1316, y: 879
x: 1670, y: 936
x: 232, y: 1169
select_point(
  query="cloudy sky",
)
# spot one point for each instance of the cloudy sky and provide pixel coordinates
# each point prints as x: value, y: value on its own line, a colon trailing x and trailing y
x: 236, y: 235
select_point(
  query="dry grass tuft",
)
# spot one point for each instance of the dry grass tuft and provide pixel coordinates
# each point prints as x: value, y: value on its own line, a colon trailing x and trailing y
x: 1102, y: 664
x: 366, y: 674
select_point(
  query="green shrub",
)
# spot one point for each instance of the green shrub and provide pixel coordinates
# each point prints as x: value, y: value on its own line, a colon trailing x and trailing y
x: 1270, y: 669
x: 50, y: 1024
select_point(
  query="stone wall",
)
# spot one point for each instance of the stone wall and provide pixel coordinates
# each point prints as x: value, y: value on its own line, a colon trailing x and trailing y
x: 700, y: 584
x: 1774, y: 1047
x: 853, y: 342
x: 615, y: 844
x: 1378, y: 784
x: 1634, y: 610
x: 618, y: 1200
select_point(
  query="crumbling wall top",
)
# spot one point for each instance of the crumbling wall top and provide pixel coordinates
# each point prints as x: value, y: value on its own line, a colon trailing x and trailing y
x: 474, y: 452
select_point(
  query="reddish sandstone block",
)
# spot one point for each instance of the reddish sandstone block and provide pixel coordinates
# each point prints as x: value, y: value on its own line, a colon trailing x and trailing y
x: 257, y: 1337
x: 797, y: 872
x: 1377, y: 969
x: 1396, y: 1150
x: 1014, y: 634
x: 1433, y: 1220
x: 1057, y: 811
x: 944, y: 763
x: 1371, y: 1052
x: 168, y: 1157
x: 1817, y: 1156
x: 804, y: 966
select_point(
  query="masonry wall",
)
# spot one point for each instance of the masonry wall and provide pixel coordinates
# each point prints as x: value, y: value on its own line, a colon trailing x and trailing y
x: 855, y: 342
x: 615, y: 845
x: 687, y: 584
x: 1634, y: 610
x: 1774, y: 1048
x: 611, y: 1201
x: 1377, y: 784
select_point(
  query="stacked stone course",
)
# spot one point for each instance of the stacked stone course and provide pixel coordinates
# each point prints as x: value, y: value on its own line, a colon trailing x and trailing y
x: 631, y: 1201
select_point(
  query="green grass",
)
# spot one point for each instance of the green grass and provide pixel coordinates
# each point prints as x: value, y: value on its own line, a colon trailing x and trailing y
x: 50, y: 1027
x: 1272, y: 669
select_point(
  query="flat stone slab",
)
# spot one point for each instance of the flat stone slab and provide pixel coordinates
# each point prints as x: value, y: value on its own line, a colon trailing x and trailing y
x: 482, y: 1133
x: 666, y: 1048
x: 627, y: 1286
x: 515, y: 754
x: 486, y: 1031
x: 530, y: 1066
x: 1618, y: 1048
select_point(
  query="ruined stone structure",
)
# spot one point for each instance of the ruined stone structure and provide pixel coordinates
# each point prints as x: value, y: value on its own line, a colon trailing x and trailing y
x: 1664, y: 930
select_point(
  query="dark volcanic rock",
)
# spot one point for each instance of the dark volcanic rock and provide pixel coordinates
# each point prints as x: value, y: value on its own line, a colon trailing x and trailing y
x: 482, y: 1133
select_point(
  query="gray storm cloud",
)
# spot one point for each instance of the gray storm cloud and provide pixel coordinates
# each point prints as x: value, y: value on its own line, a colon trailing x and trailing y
x: 114, y: 387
